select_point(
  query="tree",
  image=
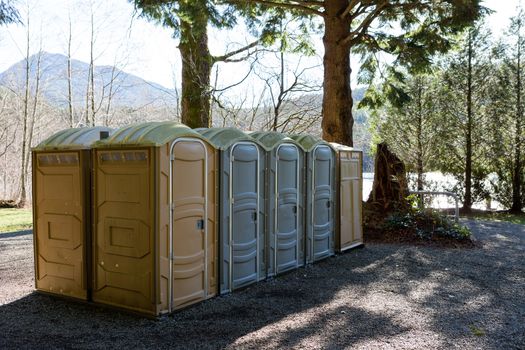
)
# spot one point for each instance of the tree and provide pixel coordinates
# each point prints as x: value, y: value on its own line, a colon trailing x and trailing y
x: 90, y: 87
x: 292, y: 96
x: 464, y: 113
x: 189, y: 21
x: 30, y: 105
x: 516, y: 66
x: 365, y: 27
x: 8, y: 12
x: 69, y: 74
x: 412, y: 128
x: 505, y: 114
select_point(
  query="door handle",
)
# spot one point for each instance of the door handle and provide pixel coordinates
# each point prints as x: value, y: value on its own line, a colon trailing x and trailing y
x: 254, y: 216
x: 200, y: 224
x: 328, y: 204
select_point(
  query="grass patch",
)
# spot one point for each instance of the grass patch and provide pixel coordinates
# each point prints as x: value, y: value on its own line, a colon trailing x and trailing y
x: 478, y: 332
x: 498, y: 216
x: 15, y: 220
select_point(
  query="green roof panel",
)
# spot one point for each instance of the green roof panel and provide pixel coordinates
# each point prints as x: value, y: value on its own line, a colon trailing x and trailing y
x: 223, y: 138
x: 72, y: 138
x: 307, y: 141
x: 271, y: 139
x: 150, y: 134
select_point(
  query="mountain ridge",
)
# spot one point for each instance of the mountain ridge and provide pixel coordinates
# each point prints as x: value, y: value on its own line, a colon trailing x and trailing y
x: 127, y: 90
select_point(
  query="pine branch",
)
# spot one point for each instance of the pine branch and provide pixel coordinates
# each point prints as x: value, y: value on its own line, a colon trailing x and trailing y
x: 294, y: 5
x: 351, y: 5
x: 226, y: 57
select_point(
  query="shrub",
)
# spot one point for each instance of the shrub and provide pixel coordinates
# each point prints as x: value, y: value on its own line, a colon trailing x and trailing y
x: 426, y: 224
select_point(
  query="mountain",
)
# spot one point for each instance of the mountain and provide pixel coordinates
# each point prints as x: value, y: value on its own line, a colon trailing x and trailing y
x: 128, y: 90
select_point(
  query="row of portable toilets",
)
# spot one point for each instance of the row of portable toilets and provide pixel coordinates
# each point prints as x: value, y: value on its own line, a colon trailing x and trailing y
x: 157, y: 216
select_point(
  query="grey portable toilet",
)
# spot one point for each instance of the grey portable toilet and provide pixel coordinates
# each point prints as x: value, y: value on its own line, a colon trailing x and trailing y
x: 241, y: 207
x: 285, y: 202
x: 320, y: 197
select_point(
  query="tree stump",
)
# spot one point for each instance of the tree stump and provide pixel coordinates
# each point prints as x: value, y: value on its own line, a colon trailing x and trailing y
x: 390, y: 187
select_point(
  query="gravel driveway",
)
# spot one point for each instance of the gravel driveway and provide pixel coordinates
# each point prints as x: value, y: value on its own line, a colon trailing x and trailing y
x: 381, y: 296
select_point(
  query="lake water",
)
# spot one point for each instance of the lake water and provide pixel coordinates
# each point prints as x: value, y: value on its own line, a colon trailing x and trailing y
x: 439, y: 182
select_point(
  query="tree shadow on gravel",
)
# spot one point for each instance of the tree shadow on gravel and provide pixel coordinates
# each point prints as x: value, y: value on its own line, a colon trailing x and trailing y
x: 366, y: 296
x: 15, y: 234
x: 38, y: 320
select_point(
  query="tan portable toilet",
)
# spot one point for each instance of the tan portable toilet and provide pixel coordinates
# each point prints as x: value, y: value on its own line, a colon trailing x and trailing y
x: 349, y: 217
x: 61, y: 211
x: 155, y: 242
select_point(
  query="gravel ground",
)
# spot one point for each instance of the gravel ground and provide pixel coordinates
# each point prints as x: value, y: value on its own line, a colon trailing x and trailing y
x: 381, y: 296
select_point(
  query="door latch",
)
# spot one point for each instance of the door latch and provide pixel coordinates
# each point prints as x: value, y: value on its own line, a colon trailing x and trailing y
x: 200, y: 224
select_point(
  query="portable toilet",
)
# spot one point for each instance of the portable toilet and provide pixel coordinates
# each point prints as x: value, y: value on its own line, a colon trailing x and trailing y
x: 285, y: 204
x: 155, y: 242
x: 349, y: 216
x: 242, y: 209
x: 320, y: 195
x: 62, y: 211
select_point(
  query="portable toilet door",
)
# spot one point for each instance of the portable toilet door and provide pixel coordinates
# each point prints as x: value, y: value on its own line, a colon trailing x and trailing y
x: 61, y: 211
x: 322, y: 202
x: 242, y: 212
x: 320, y: 195
x: 192, y: 232
x: 155, y: 210
x: 285, y: 202
x: 349, y: 230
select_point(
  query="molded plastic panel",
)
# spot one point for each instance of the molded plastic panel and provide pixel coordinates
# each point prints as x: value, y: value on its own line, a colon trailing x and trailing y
x: 124, y: 241
x: 189, y: 238
x: 60, y: 235
x: 287, y: 226
x: 244, y: 235
x: 322, y: 211
x: 350, y: 196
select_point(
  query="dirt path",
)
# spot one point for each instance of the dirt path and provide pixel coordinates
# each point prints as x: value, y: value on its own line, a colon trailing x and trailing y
x: 382, y: 296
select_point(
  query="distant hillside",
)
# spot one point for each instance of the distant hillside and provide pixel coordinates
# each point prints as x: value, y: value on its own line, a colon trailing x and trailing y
x: 128, y: 89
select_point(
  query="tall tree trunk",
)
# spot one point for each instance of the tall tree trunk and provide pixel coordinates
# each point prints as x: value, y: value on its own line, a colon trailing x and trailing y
x: 196, y: 70
x: 516, y: 179
x: 69, y: 76
x: 467, y: 203
x: 420, y: 170
x: 110, y: 95
x: 337, y: 94
x: 277, y: 106
x: 32, y: 120
x: 23, y: 190
x: 92, y: 70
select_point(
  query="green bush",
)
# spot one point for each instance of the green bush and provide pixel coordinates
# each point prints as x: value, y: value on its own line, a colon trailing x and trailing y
x: 426, y: 224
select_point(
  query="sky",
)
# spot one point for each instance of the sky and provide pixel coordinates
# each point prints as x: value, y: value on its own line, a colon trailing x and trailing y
x: 144, y: 48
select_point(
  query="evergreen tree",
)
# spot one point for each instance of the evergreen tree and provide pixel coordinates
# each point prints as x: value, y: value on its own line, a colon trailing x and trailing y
x: 8, y: 12
x: 189, y: 20
x: 365, y: 27
x: 506, y: 115
x: 464, y: 100
x: 411, y: 127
